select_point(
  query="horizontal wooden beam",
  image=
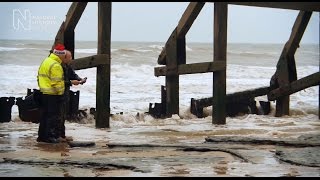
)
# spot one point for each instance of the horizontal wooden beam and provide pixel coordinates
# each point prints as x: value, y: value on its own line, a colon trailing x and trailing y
x: 295, y: 86
x: 237, y: 96
x: 191, y: 68
x: 74, y: 14
x: 90, y: 61
x: 302, y: 6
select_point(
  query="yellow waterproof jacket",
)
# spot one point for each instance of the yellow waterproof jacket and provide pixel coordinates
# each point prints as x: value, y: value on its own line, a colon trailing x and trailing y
x: 50, y: 76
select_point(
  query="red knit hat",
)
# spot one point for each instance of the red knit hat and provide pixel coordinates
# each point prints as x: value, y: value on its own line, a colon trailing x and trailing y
x: 59, y: 49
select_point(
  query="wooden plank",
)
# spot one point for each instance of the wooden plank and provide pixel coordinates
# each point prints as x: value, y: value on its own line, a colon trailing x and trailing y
x: 236, y: 97
x: 232, y: 100
x: 186, y: 21
x: 295, y: 86
x: 302, y: 6
x: 103, y: 71
x: 90, y: 61
x: 220, y: 54
x: 248, y: 94
x: 172, y: 79
x: 204, y: 67
x: 74, y: 14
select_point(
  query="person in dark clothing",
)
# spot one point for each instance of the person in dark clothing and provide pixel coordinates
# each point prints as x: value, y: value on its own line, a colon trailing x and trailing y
x: 70, y: 78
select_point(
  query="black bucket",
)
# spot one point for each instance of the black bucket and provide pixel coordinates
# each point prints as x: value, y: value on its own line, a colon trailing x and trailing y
x: 6, y: 104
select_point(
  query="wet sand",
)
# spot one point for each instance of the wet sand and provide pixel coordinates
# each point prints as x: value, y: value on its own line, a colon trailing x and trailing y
x: 144, y: 150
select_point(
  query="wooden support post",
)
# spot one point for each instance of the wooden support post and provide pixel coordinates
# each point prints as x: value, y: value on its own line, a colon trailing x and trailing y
x: 176, y: 55
x: 220, y: 54
x: 69, y: 41
x: 282, y: 104
x: 286, y: 67
x: 103, y: 71
x: 163, y: 101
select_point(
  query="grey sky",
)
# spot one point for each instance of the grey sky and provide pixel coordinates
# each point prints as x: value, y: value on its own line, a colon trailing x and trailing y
x: 153, y: 21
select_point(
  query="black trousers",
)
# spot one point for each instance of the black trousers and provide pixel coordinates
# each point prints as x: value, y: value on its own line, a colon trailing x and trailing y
x: 64, y: 108
x: 50, y: 118
x: 61, y: 129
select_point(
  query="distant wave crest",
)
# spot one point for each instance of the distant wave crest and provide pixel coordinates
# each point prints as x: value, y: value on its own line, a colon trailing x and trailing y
x: 13, y: 48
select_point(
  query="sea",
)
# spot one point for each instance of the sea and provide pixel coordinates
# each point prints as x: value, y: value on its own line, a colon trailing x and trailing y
x: 134, y: 86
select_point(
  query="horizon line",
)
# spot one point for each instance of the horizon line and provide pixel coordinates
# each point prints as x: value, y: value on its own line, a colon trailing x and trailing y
x: 156, y: 41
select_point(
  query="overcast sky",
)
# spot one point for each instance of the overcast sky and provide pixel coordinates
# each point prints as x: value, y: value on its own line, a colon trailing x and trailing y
x: 152, y: 21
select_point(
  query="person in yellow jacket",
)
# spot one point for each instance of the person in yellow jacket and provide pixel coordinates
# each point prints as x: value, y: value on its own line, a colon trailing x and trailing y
x: 51, y: 85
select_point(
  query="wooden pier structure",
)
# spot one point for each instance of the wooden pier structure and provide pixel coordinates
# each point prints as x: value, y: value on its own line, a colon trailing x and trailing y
x: 283, y: 83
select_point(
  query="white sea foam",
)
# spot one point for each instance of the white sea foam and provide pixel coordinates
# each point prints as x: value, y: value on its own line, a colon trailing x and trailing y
x: 13, y: 48
x: 134, y: 86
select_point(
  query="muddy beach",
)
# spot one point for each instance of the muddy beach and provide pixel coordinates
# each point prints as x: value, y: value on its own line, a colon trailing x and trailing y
x: 162, y: 151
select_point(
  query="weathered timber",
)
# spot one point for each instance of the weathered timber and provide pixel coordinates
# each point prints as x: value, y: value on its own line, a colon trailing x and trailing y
x: 295, y: 86
x: 187, y: 19
x: 69, y: 41
x: 286, y: 67
x: 238, y: 96
x: 192, y: 68
x: 72, y: 18
x: 74, y: 14
x: 159, y: 109
x: 103, y: 71
x: 172, y: 79
x: 303, y: 6
x: 220, y: 54
x: 90, y: 61
x: 265, y: 107
x: 298, y: 30
x: 235, y: 102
